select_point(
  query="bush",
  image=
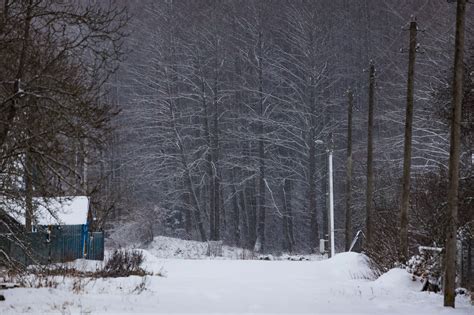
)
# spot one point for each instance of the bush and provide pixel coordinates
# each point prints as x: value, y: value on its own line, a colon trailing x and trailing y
x: 124, y: 263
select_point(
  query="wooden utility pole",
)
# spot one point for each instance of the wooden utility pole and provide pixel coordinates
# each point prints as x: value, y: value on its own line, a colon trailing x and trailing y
x: 370, y: 167
x: 454, y: 152
x: 349, y: 172
x: 405, y: 199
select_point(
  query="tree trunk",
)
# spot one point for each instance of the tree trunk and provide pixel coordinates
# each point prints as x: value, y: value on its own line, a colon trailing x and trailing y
x: 288, y: 216
x: 454, y: 153
x: 250, y: 200
x: 236, y: 212
x: 215, y: 167
x: 209, y: 160
x: 195, y: 202
x: 324, y: 184
x: 188, y: 224
x: 8, y: 116
x: 348, y: 230
x: 314, y: 230
x: 252, y: 212
x: 260, y: 243
x: 28, y: 190
x: 85, y: 167
x: 7, y: 120
x: 370, y: 169
x: 245, y: 218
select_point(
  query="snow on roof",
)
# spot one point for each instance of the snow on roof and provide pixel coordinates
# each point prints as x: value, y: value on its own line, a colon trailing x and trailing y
x: 60, y: 210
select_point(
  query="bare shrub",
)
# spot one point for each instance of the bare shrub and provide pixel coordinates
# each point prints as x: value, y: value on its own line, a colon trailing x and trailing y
x: 383, y: 251
x: 124, y: 263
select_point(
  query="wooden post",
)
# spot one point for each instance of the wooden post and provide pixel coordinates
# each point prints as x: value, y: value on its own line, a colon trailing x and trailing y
x: 405, y: 198
x: 454, y: 153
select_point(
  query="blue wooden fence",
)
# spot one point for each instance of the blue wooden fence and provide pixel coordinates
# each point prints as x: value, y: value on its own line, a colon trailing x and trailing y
x: 95, y: 246
x: 59, y: 244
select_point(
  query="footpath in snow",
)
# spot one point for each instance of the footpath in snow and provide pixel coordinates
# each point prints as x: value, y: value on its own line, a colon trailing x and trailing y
x: 342, y: 284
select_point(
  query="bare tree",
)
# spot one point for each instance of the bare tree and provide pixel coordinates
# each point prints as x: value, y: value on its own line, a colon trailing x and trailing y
x: 348, y: 230
x: 55, y: 60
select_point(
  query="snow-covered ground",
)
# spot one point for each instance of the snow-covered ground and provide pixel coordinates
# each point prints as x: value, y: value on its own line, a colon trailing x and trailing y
x: 342, y: 284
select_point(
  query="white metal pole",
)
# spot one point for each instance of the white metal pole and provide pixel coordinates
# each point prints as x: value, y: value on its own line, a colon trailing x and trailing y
x: 331, y: 205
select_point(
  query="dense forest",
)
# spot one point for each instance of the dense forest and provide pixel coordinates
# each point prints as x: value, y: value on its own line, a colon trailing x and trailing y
x: 227, y: 110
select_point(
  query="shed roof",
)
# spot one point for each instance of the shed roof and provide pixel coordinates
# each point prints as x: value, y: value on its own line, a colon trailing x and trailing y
x: 59, y: 211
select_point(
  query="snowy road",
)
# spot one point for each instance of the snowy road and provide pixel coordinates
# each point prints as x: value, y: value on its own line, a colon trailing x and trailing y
x: 338, y: 285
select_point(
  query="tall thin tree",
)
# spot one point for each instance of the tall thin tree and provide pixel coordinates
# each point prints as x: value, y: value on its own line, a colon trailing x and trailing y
x: 348, y: 230
x: 370, y: 156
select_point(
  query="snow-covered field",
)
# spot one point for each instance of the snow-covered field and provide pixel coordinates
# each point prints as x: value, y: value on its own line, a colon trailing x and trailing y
x: 342, y: 284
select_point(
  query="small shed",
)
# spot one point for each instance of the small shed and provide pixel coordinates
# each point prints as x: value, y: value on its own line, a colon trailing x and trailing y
x: 63, y: 211
x: 61, y: 231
